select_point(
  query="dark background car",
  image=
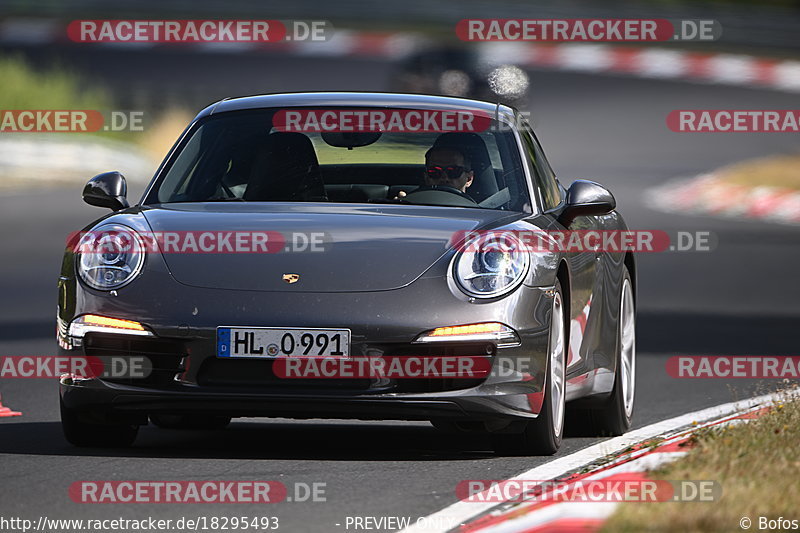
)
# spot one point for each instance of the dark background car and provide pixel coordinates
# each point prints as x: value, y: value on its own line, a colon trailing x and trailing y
x: 461, y: 71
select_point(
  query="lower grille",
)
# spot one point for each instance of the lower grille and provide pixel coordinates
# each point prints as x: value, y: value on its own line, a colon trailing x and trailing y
x: 164, y: 355
x: 238, y: 374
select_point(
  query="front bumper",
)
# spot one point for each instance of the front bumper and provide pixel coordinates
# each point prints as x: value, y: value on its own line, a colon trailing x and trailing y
x: 187, y: 376
x: 114, y: 400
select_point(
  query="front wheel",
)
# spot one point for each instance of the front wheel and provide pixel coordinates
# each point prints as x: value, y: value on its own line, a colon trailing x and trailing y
x: 190, y: 421
x: 543, y: 435
x: 613, y: 417
x: 79, y: 431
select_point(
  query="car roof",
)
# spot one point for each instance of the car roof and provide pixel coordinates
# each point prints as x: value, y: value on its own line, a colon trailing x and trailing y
x: 366, y: 99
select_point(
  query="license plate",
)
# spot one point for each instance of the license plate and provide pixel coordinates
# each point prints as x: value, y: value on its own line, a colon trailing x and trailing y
x: 272, y: 343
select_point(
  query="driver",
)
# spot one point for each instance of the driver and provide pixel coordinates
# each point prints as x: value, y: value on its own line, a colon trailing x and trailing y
x: 446, y: 166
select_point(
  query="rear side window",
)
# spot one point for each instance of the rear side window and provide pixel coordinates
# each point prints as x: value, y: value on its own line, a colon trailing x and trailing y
x: 545, y: 177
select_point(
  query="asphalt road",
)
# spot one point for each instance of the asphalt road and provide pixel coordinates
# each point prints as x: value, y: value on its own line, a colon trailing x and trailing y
x: 741, y: 298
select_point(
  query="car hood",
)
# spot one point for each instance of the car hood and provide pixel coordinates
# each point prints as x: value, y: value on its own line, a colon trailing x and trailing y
x: 363, y: 248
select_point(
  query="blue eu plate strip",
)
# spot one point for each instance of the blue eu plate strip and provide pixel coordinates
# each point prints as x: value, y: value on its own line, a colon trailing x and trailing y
x: 223, y: 342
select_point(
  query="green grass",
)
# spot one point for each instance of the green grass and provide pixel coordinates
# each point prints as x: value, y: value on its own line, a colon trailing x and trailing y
x: 55, y: 88
x: 23, y: 87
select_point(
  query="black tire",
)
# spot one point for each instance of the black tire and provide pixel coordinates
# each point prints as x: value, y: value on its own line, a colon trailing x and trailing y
x: 445, y: 426
x: 203, y: 422
x: 458, y: 426
x: 540, y: 435
x: 83, y: 434
x: 610, y: 419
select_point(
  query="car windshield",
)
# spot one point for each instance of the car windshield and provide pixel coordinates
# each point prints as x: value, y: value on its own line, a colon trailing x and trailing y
x: 251, y: 156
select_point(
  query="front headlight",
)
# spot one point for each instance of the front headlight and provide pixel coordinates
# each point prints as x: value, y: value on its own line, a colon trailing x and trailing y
x: 110, y: 256
x: 491, y: 265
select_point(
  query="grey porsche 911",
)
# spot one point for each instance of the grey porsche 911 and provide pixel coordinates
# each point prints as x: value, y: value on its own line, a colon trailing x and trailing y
x: 286, y: 239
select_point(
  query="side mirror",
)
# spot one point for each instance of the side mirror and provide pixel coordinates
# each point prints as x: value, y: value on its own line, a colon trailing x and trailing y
x: 107, y: 190
x: 586, y: 198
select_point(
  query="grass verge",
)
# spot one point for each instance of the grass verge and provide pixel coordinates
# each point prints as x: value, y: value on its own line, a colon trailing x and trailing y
x: 26, y: 87
x: 56, y: 88
x: 773, y: 171
x: 756, y: 465
x: 161, y: 134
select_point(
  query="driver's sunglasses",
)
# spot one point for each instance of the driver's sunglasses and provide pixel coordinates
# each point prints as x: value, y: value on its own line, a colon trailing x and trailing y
x: 453, y: 171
